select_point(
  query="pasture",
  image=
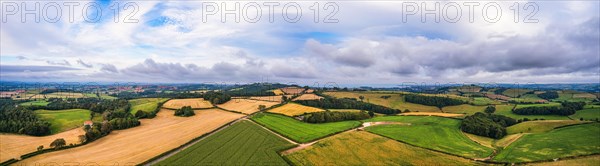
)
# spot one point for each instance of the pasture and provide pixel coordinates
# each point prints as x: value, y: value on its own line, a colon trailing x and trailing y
x: 138, y: 144
x: 243, y: 143
x: 506, y: 110
x: 245, y: 106
x: 300, y: 131
x: 430, y: 132
x: 35, y: 103
x: 562, y: 142
x: 13, y: 145
x: 145, y: 104
x: 463, y: 109
x: 293, y: 109
x: 395, y: 100
x: 514, y: 92
x: 364, y: 148
x: 197, y: 103
x: 589, y: 113
x: 539, y: 126
x: 431, y: 114
x: 63, y: 120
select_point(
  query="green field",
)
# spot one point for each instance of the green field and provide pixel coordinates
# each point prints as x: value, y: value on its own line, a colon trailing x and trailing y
x: 483, y: 101
x: 243, y: 143
x: 506, y: 110
x: 539, y: 126
x: 35, y: 103
x: 431, y: 132
x: 463, y: 109
x: 364, y: 148
x: 568, y: 141
x: 588, y: 113
x: 300, y: 131
x: 63, y: 120
x: 515, y: 92
x: 145, y: 104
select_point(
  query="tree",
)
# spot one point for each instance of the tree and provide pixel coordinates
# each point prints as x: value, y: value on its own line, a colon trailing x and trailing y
x: 262, y: 107
x: 284, y: 98
x: 41, y: 147
x: 490, y: 109
x: 140, y: 114
x: 371, y: 113
x: 361, y: 98
x: 82, y: 138
x: 58, y: 143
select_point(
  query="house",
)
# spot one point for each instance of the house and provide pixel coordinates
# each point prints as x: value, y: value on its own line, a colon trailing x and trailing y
x: 88, y: 123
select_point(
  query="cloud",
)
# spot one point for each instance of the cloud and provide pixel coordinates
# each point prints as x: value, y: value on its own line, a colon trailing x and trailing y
x: 82, y: 63
x: 61, y: 63
x: 108, y: 68
x: 16, y: 68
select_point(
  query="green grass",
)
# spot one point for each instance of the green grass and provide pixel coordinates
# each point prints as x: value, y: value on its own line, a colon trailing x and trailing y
x: 300, y: 131
x: 108, y: 97
x: 145, y: 104
x: 463, y: 109
x: 588, y: 113
x: 35, y: 103
x: 550, y: 104
x: 243, y: 143
x: 431, y: 132
x: 506, y: 110
x: 515, y: 92
x: 539, y: 126
x: 563, y: 142
x: 63, y: 120
x: 483, y: 101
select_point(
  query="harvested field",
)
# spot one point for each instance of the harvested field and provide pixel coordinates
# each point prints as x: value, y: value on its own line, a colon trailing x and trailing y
x: 292, y: 90
x: 262, y: 98
x: 138, y: 144
x: 194, y: 103
x: 539, y: 126
x: 278, y: 92
x: 13, y: 146
x: 432, y: 114
x: 308, y: 97
x: 293, y: 109
x: 363, y: 148
x: 246, y: 106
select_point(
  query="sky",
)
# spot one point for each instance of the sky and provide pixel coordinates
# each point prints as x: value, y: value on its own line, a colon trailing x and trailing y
x: 305, y: 42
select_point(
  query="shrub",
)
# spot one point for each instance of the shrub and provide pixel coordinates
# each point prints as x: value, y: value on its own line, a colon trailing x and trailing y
x: 185, y: 111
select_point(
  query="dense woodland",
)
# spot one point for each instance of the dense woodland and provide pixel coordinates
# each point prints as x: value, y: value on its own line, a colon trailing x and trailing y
x: 216, y: 97
x: 548, y: 95
x: 487, y: 125
x: 21, y: 120
x: 567, y: 108
x: 347, y: 103
x: 330, y: 116
x: 432, y: 100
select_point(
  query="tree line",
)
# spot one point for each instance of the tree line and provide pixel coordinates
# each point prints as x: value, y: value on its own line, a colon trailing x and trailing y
x: 566, y: 108
x: 185, y: 111
x: 330, y: 116
x: 347, y: 103
x: 432, y: 100
x: 216, y: 97
x: 487, y: 125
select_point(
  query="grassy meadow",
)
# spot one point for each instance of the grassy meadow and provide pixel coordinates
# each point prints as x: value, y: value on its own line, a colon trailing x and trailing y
x: 539, y: 126
x: 431, y: 132
x: 145, y: 104
x: 63, y: 120
x: 300, y: 131
x: 562, y: 142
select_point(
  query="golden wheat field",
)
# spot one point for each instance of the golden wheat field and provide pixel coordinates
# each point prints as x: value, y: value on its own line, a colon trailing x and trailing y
x: 307, y: 97
x: 292, y: 90
x: 246, y: 106
x: 194, y: 103
x: 293, y: 109
x: 136, y: 145
x: 13, y: 146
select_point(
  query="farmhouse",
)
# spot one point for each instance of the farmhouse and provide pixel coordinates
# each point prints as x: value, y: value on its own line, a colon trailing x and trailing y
x: 88, y: 123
